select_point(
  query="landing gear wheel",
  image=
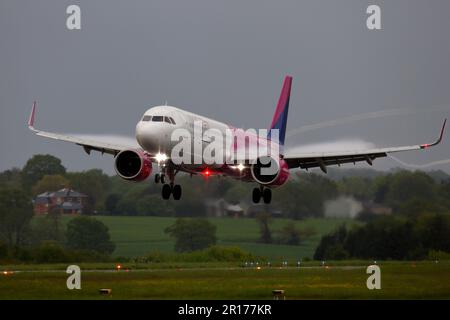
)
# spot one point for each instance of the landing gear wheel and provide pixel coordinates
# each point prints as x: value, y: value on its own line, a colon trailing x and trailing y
x: 176, y: 192
x: 163, y: 178
x: 267, y: 195
x: 166, y: 191
x: 157, y: 178
x: 256, y: 195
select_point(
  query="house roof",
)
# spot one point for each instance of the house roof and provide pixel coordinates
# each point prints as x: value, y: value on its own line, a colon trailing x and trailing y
x: 45, y: 195
x: 40, y: 200
x: 66, y: 192
x: 63, y: 193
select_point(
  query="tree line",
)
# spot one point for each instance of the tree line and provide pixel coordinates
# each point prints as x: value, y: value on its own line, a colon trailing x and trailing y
x: 426, y: 235
x: 419, y: 223
x: 406, y: 192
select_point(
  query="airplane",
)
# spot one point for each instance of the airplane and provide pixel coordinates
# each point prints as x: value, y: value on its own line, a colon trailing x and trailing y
x: 153, y: 134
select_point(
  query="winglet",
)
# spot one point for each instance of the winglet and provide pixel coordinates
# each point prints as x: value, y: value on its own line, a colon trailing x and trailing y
x: 427, y: 145
x: 32, y: 117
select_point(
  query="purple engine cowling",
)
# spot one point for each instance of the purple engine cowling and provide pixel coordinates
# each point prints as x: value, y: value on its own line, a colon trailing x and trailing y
x: 133, y: 165
x: 270, y: 172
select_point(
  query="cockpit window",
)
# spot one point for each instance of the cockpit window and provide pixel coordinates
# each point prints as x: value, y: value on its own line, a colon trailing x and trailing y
x: 157, y: 118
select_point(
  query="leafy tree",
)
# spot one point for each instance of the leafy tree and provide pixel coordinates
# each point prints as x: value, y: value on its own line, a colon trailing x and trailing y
x: 237, y: 193
x: 389, y: 238
x: 336, y: 252
x: 192, y: 234
x: 444, y: 192
x: 305, y: 197
x: 325, y: 249
x: 111, y: 203
x: 50, y: 183
x: 384, y: 238
x: 127, y: 207
x: 3, y: 250
x: 39, y: 166
x: 50, y: 252
x: 153, y: 205
x: 190, y: 206
x: 11, y: 178
x: 94, y: 183
x: 358, y: 187
x: 290, y: 234
x: 405, y: 185
x: 15, y: 214
x: 380, y: 187
x: 86, y: 233
x: 221, y: 187
x: 48, y: 228
x: 419, y: 206
x: 264, y: 219
x: 192, y: 203
x: 434, y: 231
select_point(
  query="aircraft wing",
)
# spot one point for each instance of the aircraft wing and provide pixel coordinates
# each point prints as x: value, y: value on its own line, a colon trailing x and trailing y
x: 87, y: 144
x: 324, y: 159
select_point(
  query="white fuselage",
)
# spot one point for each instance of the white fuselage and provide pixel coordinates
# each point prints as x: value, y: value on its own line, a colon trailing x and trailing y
x: 154, y: 135
x: 154, y: 130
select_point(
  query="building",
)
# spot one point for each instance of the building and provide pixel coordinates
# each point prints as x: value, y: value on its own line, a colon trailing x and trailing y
x: 221, y: 208
x: 64, y: 201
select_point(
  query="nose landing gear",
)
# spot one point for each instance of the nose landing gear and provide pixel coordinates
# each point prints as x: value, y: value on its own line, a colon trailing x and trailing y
x: 160, y: 177
x: 262, y: 192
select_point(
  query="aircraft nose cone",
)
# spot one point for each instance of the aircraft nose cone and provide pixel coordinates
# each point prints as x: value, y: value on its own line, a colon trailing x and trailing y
x: 153, y: 137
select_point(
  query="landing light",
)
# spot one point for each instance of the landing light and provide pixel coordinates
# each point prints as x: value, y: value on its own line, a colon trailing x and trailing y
x: 160, y: 157
x: 239, y: 167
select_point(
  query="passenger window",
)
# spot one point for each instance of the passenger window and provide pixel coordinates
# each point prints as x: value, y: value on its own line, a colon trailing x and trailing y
x: 157, y: 118
x: 147, y: 118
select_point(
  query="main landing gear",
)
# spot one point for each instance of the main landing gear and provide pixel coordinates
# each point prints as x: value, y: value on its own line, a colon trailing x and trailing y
x: 169, y: 188
x: 262, y: 192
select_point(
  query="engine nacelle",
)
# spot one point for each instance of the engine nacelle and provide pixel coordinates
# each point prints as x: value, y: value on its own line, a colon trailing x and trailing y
x: 269, y: 171
x: 133, y: 165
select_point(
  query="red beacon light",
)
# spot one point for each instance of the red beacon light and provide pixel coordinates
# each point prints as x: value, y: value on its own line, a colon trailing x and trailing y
x: 206, y: 172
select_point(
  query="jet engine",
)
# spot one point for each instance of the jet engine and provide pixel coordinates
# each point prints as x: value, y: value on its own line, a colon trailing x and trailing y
x: 133, y: 165
x: 269, y: 171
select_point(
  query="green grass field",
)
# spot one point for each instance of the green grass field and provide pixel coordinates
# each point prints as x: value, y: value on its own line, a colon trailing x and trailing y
x: 136, y: 236
x: 399, y: 280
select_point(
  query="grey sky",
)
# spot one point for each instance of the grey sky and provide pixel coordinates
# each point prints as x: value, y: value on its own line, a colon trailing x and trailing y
x: 226, y: 60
